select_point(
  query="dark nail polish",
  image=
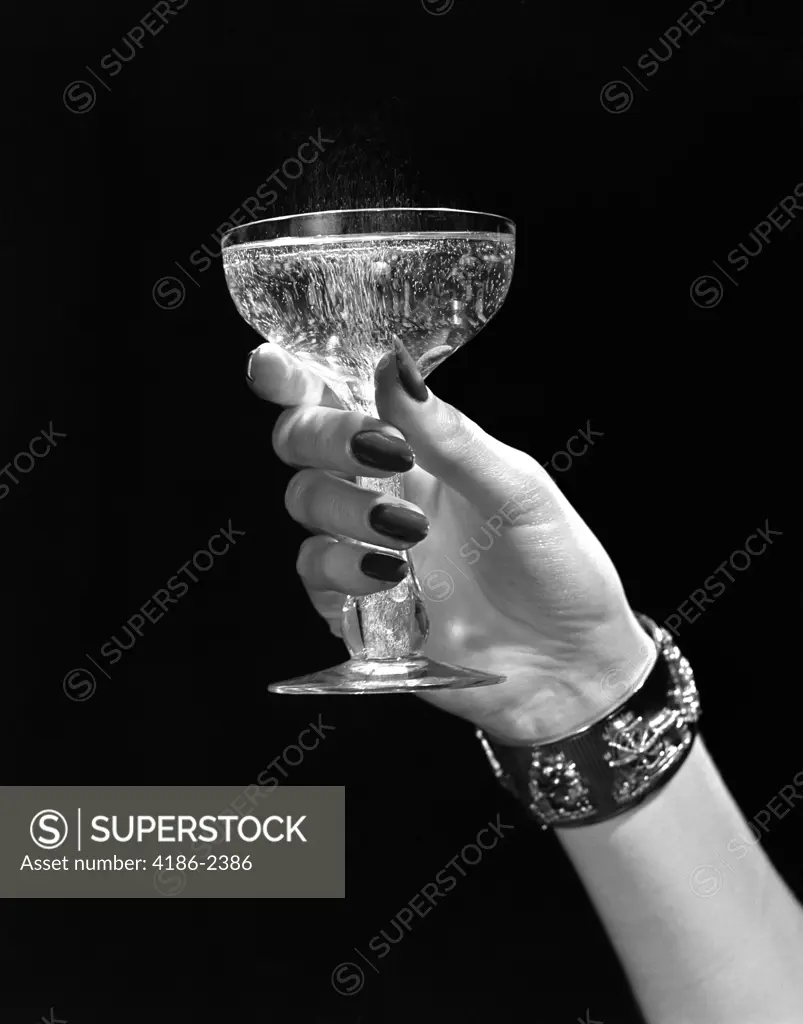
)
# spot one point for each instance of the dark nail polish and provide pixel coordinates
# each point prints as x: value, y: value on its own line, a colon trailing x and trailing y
x: 382, y: 451
x: 383, y: 362
x: 409, y: 377
x: 399, y: 522
x: 387, y: 568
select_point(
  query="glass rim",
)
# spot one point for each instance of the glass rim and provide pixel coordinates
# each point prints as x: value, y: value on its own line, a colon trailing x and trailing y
x: 224, y: 241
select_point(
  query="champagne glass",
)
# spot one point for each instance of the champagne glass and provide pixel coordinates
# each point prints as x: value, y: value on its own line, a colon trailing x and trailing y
x: 336, y: 289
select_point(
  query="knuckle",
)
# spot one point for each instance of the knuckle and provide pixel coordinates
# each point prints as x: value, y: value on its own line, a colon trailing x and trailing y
x: 518, y: 726
x: 297, y: 494
x: 331, y: 508
x: 304, y: 555
x: 303, y: 436
x: 319, y: 431
x: 458, y: 436
x: 314, y: 563
x: 449, y: 419
x: 282, y: 434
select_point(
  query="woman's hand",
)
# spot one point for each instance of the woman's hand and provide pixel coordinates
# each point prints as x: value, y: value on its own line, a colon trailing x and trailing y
x: 515, y: 582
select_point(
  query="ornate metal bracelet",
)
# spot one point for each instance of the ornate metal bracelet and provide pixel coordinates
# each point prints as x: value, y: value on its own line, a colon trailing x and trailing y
x: 611, y: 766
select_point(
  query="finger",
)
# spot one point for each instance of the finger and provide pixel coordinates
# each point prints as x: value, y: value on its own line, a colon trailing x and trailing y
x: 325, y: 564
x: 447, y: 444
x: 279, y: 377
x: 329, y: 605
x: 333, y: 505
x: 343, y: 442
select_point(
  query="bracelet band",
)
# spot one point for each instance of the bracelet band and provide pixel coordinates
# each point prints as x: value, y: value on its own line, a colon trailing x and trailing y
x: 611, y: 766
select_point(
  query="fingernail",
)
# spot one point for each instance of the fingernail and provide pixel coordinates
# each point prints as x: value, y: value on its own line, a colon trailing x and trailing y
x: 409, y: 377
x: 250, y: 360
x: 382, y: 451
x: 387, y: 568
x: 399, y: 522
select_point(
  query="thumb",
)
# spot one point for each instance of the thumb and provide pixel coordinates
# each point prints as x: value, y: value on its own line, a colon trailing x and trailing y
x: 452, y: 447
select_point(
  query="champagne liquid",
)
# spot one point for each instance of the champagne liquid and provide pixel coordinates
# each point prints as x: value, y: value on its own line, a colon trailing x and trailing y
x: 338, y: 302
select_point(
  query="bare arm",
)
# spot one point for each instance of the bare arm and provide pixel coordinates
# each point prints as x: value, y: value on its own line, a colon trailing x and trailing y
x: 698, y: 947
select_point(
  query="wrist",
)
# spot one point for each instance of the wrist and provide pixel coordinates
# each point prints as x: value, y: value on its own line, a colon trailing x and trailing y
x: 613, y: 663
x: 628, y: 658
x: 601, y: 771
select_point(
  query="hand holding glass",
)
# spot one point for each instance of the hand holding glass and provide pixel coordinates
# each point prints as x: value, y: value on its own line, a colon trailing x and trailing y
x: 336, y: 289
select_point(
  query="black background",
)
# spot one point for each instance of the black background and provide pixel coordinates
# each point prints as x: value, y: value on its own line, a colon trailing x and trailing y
x: 493, y: 106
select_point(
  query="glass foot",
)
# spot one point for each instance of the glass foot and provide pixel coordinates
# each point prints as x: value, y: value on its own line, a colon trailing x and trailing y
x: 363, y: 675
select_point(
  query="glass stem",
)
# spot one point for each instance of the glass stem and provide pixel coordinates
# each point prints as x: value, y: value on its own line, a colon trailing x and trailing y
x: 391, y: 625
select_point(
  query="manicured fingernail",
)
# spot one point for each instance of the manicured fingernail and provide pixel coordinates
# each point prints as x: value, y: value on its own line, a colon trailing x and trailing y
x: 383, y: 362
x: 382, y: 451
x: 399, y: 522
x: 409, y: 377
x: 387, y: 568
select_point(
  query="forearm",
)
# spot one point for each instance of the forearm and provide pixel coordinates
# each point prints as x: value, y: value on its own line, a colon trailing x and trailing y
x: 735, y: 956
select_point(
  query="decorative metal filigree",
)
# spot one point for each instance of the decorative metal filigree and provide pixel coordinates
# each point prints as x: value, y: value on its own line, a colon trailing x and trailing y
x: 637, y: 750
x: 557, y: 788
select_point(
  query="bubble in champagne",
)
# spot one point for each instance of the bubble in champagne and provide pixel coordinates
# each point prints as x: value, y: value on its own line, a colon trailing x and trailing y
x: 338, y: 302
